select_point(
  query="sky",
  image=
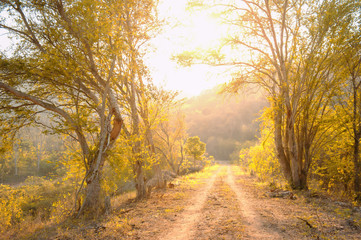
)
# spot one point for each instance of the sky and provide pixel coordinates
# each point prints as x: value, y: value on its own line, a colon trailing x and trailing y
x: 187, y: 30
x: 4, y: 41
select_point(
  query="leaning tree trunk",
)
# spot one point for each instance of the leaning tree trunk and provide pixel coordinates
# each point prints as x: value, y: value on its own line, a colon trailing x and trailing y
x: 94, y: 203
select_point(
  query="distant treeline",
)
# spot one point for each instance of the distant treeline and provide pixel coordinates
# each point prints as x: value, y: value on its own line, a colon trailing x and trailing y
x: 225, y: 123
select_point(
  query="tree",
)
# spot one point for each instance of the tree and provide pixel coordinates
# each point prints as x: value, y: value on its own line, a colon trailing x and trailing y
x: 290, y: 55
x: 195, y: 147
x: 170, y: 136
x: 139, y: 20
x: 348, y: 101
x: 354, y: 67
x: 67, y: 63
x: 154, y: 112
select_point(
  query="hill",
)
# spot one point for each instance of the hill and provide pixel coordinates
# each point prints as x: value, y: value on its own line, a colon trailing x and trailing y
x: 225, y: 123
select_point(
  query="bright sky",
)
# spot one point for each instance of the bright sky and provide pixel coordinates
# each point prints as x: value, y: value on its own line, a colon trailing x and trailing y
x: 4, y: 40
x: 187, y: 30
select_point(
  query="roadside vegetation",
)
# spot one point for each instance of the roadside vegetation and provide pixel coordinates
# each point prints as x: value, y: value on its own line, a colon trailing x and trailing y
x: 43, y: 210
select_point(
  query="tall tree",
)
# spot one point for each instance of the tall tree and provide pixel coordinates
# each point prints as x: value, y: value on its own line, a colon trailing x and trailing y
x: 286, y: 50
x: 66, y: 63
x: 153, y: 111
x: 139, y: 20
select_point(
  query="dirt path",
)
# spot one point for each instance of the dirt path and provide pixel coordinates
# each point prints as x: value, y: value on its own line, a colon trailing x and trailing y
x: 221, y: 202
x: 255, y: 226
x: 221, y: 210
x: 183, y: 229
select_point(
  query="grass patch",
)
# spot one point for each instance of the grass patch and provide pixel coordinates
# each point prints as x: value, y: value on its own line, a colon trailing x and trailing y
x: 237, y: 170
x: 174, y: 210
x: 35, y: 202
x: 179, y: 195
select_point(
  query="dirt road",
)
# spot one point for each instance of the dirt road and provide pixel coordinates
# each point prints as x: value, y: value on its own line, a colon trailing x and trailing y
x: 220, y: 202
x: 222, y: 210
x: 255, y: 226
x: 230, y: 206
x: 184, y: 227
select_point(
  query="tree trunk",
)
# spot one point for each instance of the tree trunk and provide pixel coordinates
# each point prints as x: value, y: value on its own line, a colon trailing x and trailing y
x: 306, y: 142
x: 356, y: 151
x: 157, y: 169
x: 94, y: 201
x: 281, y: 156
x: 303, y: 179
x: 357, y: 169
x: 161, y: 183
x: 294, y: 160
x: 182, y: 158
x: 291, y: 151
x: 139, y: 180
x: 357, y: 179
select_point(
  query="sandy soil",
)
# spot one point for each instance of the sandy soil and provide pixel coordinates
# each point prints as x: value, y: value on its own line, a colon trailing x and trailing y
x: 255, y: 226
x: 184, y: 228
x: 231, y: 206
x: 222, y: 210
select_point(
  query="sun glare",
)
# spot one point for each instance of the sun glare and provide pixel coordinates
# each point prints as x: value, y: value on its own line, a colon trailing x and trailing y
x: 205, y: 31
x: 187, y: 31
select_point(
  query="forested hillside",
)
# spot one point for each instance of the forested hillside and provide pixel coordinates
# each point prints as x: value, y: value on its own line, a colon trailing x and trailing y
x: 225, y: 122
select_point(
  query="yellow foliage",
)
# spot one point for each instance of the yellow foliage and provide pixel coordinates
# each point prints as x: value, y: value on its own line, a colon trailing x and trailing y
x: 261, y: 158
x: 37, y: 198
x: 62, y: 207
x: 11, y: 201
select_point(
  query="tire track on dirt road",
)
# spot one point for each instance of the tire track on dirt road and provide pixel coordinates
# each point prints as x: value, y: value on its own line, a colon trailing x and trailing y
x: 184, y: 227
x: 254, y: 226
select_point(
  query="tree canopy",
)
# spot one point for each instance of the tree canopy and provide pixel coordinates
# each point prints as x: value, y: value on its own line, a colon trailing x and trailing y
x: 69, y: 60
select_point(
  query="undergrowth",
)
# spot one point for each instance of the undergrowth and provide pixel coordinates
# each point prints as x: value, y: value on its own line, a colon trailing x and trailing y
x: 31, y: 205
x: 41, y: 208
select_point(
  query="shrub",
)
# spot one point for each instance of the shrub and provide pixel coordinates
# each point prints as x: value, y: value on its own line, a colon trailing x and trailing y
x: 38, y: 197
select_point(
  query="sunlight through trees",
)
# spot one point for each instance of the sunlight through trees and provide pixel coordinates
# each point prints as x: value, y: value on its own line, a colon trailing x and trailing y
x: 85, y: 120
